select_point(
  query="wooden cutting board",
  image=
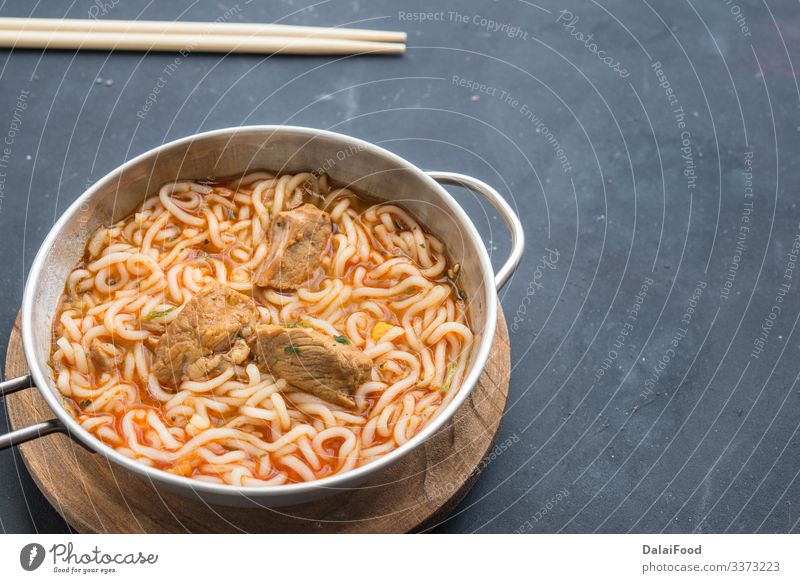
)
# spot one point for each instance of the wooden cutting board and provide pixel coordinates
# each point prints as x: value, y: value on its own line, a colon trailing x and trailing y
x: 96, y: 496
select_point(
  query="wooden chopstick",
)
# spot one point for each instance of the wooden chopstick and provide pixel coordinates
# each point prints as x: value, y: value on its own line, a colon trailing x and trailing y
x: 215, y: 28
x: 214, y: 43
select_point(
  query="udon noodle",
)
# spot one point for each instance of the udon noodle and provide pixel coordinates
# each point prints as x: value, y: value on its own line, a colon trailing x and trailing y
x: 384, y: 284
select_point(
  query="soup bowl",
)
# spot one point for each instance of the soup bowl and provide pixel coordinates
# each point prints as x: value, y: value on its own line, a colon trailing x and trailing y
x: 234, y: 152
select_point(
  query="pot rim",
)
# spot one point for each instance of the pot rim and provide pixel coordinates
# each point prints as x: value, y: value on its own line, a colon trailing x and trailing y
x: 45, y: 386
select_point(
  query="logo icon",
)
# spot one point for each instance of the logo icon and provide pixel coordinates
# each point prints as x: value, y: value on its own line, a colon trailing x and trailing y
x: 31, y: 556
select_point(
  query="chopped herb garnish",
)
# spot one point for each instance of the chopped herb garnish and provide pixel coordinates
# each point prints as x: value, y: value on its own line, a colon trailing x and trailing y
x: 341, y: 339
x: 112, y: 282
x: 205, y: 241
x: 450, y: 372
x: 292, y: 325
x: 422, y: 245
x: 161, y: 314
x: 85, y: 403
x: 291, y: 350
x: 398, y: 226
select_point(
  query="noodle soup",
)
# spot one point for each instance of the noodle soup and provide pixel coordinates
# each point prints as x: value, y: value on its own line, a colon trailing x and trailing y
x: 260, y: 331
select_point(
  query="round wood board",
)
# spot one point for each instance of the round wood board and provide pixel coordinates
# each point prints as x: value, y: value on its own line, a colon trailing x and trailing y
x: 96, y: 496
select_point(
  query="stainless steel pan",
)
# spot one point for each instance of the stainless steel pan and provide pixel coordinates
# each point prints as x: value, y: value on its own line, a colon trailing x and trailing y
x: 235, y: 151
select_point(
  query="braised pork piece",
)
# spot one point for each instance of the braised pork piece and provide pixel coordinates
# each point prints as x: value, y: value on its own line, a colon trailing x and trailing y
x: 314, y: 362
x: 217, y: 329
x: 206, y: 337
x: 298, y: 239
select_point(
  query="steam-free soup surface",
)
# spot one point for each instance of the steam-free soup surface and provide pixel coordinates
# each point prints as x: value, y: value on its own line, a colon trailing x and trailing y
x: 264, y: 330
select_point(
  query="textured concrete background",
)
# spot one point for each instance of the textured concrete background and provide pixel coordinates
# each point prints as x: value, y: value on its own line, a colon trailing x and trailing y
x: 654, y: 166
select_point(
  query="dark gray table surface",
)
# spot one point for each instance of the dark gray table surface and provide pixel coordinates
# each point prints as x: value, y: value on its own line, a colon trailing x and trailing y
x: 655, y: 360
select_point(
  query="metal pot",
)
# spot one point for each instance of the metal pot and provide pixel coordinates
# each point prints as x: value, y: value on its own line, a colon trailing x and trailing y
x: 231, y: 152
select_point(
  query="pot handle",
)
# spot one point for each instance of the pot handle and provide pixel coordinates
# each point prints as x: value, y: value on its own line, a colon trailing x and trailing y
x: 34, y: 431
x: 501, y: 206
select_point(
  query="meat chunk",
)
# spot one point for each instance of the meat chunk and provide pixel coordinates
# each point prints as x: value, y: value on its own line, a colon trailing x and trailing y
x: 298, y: 239
x: 104, y: 356
x: 207, y: 336
x: 326, y: 366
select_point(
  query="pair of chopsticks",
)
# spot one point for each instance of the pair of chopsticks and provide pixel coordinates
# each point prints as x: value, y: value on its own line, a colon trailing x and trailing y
x: 213, y: 37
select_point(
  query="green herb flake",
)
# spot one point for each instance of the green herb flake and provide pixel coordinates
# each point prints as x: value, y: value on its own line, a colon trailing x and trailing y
x: 451, y: 370
x: 292, y: 350
x: 292, y: 325
x: 341, y: 339
x: 205, y: 241
x: 422, y: 245
x: 161, y: 314
x: 85, y: 403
